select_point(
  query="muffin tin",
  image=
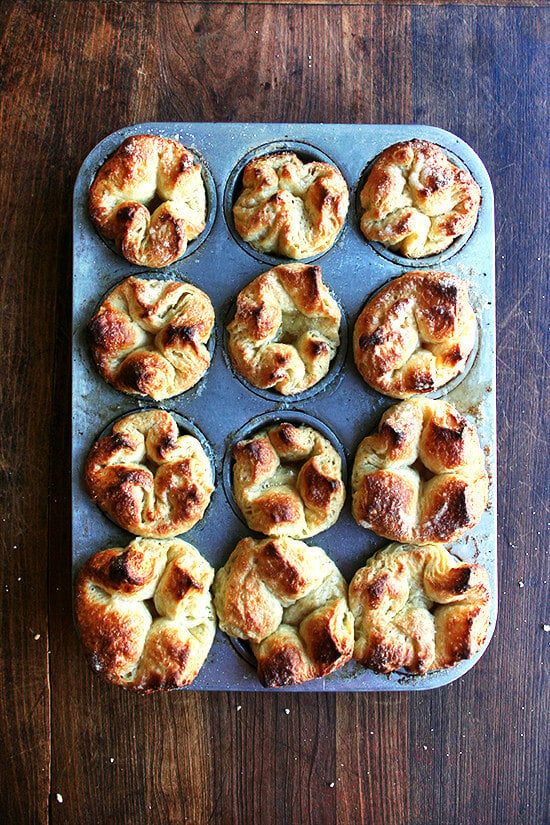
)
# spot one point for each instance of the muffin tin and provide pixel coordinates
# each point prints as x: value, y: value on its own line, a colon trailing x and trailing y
x: 220, y: 406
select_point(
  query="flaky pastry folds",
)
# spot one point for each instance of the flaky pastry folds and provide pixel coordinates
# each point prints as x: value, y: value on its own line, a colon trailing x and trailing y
x: 415, y: 335
x: 150, y: 337
x: 144, y: 169
x: 418, y: 608
x: 290, y: 208
x: 128, y: 642
x: 286, y: 329
x: 287, y: 481
x: 416, y: 201
x: 148, y: 478
x: 421, y: 478
x: 290, y: 602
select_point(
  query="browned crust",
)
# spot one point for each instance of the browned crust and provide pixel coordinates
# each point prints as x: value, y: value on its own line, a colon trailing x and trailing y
x: 275, y: 565
x: 286, y: 329
x: 287, y: 481
x: 416, y: 334
x: 289, y: 601
x: 416, y: 200
x: 422, y: 477
x: 159, y: 504
x: 327, y: 635
x: 126, y: 643
x: 418, y: 608
x: 163, y: 167
x: 282, y: 667
x: 180, y: 582
x: 290, y: 208
x: 385, y: 503
x: 317, y: 488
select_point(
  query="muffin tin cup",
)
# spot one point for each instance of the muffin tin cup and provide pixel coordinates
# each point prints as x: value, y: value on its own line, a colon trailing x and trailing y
x: 221, y: 404
x: 307, y: 153
x: 211, y: 209
x: 326, y: 384
x: 186, y: 427
x: 429, y: 261
x: 444, y: 389
x: 264, y: 422
x: 152, y: 275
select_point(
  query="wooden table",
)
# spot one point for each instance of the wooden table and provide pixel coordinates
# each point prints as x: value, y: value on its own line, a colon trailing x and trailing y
x: 75, y: 750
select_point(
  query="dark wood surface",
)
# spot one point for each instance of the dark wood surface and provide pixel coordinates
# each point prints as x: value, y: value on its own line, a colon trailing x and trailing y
x: 75, y: 750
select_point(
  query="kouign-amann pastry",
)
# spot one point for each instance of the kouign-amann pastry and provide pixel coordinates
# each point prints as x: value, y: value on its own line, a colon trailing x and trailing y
x: 126, y: 641
x: 146, y: 169
x: 290, y: 602
x: 149, y: 337
x: 285, y: 331
x: 421, y: 478
x: 148, y: 478
x: 416, y: 201
x: 290, y: 208
x: 416, y: 334
x: 287, y: 481
x: 418, y: 608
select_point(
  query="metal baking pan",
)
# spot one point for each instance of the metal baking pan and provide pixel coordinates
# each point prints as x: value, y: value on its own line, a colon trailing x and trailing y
x: 222, y: 405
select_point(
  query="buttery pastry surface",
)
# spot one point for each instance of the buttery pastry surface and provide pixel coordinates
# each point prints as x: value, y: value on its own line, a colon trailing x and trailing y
x: 286, y: 329
x: 148, y: 478
x: 287, y: 481
x: 416, y: 201
x: 289, y: 601
x: 418, y: 608
x: 145, y: 168
x: 421, y: 478
x: 124, y: 640
x: 416, y: 334
x: 290, y: 208
x: 149, y: 337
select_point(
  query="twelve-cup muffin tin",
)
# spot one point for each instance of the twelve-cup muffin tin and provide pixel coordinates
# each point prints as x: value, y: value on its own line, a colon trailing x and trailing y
x: 222, y: 407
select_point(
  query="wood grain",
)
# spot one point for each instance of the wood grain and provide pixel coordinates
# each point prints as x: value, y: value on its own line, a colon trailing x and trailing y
x: 282, y: 61
x: 475, y: 751
x: 27, y: 335
x: 493, y: 3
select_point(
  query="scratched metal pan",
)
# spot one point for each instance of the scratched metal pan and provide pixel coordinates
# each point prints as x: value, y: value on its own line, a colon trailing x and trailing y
x: 222, y: 405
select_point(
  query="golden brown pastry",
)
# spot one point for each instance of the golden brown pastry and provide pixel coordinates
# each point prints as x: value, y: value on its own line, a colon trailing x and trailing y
x: 290, y: 602
x: 416, y: 201
x: 287, y: 481
x: 421, y: 478
x: 148, y: 478
x: 418, y: 608
x: 416, y: 334
x: 149, y: 337
x: 290, y: 208
x: 132, y: 644
x: 285, y: 330
x: 144, y: 169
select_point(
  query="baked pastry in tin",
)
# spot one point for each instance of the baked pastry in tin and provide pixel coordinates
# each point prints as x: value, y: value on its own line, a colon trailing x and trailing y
x: 149, y: 337
x: 285, y: 331
x: 290, y: 208
x: 418, y: 608
x: 287, y: 481
x: 148, y: 478
x: 127, y: 641
x: 416, y: 201
x: 421, y: 478
x: 144, y: 170
x: 416, y: 334
x: 290, y: 602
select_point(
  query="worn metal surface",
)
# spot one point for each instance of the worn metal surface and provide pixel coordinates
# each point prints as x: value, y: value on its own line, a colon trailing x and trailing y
x: 221, y: 404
